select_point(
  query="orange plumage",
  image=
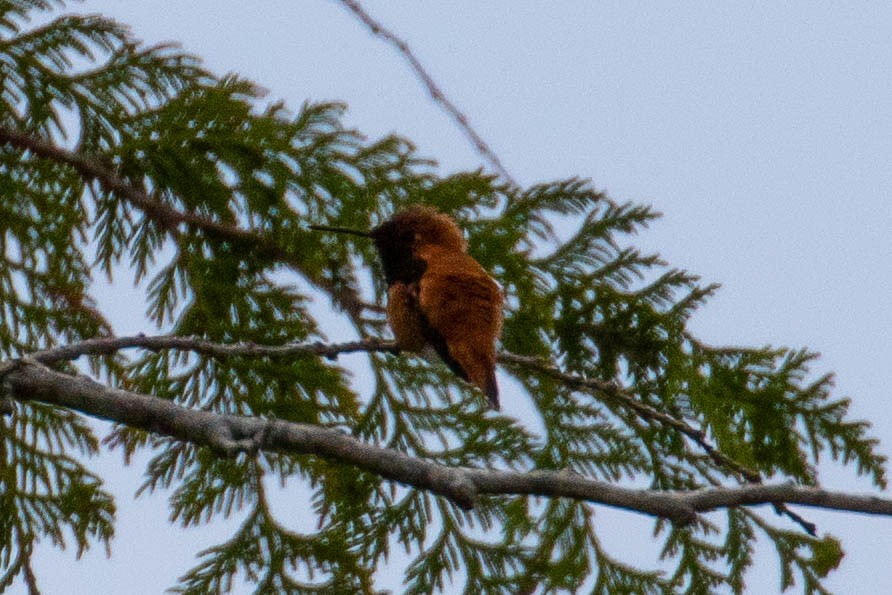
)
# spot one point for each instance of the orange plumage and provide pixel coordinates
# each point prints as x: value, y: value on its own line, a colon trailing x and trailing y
x: 439, y: 296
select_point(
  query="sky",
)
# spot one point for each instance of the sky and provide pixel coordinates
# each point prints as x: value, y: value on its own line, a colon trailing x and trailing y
x: 762, y: 132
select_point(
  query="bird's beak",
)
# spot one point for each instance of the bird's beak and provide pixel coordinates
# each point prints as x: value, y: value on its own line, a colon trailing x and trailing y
x: 355, y: 232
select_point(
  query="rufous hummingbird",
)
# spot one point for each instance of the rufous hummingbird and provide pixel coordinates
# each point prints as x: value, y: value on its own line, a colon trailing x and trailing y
x: 437, y: 295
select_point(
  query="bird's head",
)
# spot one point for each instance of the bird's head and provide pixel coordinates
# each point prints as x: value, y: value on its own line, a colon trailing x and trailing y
x: 419, y: 226
x: 399, y: 239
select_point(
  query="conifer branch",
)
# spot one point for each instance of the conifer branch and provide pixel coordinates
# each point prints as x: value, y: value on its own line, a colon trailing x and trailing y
x: 613, y: 392
x: 609, y: 390
x: 169, y: 218
x: 109, y: 345
x: 216, y: 188
x: 230, y: 435
x: 436, y: 93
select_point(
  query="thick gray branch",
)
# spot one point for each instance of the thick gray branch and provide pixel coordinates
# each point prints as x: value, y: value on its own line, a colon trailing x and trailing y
x: 231, y: 434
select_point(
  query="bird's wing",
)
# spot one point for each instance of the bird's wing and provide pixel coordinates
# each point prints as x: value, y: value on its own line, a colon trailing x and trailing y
x: 462, y: 306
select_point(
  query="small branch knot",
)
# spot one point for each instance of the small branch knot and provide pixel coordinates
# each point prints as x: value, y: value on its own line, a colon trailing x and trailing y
x: 686, y: 516
x: 462, y: 491
x: 229, y: 440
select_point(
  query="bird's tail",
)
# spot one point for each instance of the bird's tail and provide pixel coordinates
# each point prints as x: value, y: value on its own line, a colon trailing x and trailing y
x: 470, y: 364
x: 492, y: 390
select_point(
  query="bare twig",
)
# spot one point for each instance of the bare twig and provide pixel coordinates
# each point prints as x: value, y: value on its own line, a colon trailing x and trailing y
x: 109, y: 345
x: 232, y: 434
x: 427, y: 80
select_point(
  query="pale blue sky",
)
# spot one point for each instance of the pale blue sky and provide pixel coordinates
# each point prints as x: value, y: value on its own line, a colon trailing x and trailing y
x: 762, y: 132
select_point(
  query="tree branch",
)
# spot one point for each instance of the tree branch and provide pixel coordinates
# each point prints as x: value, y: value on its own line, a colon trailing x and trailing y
x: 169, y: 218
x: 427, y: 80
x: 109, y: 345
x: 613, y: 392
x: 232, y: 434
x: 609, y: 390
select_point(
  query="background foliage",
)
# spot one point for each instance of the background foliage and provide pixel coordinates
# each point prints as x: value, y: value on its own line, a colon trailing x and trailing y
x: 590, y: 302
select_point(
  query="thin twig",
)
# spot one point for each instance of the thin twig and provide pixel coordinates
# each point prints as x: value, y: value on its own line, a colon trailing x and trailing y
x: 110, y: 345
x: 433, y: 88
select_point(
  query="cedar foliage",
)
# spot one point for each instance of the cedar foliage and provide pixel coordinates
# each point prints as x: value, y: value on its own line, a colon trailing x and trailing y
x: 590, y: 303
